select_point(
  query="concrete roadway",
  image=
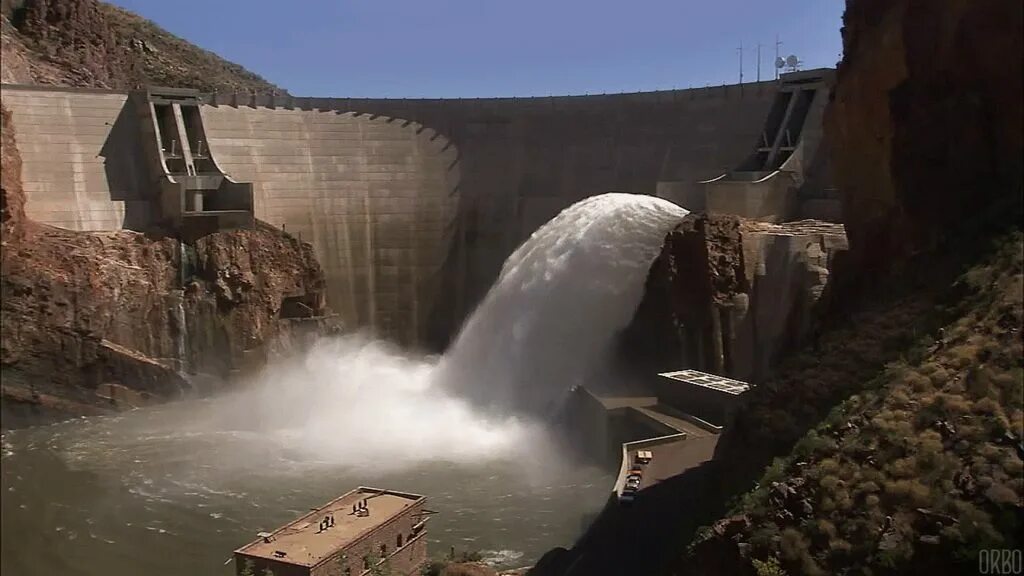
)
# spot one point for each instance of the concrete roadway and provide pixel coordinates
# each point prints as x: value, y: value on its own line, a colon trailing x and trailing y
x: 675, y: 457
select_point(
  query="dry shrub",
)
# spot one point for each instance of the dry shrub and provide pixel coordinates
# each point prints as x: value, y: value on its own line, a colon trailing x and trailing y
x: 1003, y: 495
x: 940, y: 377
x: 918, y: 382
x: 952, y: 404
x: 987, y: 406
x: 963, y: 356
x: 908, y: 491
x: 902, y: 467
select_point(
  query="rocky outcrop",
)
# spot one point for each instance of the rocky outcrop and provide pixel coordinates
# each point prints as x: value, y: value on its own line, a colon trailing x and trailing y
x: 98, y: 320
x: 12, y: 197
x: 925, y: 123
x: 888, y: 482
x: 95, y: 44
x: 739, y: 293
x: 247, y: 290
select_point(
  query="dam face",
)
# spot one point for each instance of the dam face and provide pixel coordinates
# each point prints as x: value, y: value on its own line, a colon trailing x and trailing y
x: 411, y: 205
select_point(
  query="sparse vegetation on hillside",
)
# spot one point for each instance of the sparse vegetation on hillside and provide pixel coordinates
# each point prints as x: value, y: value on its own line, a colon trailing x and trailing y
x: 87, y: 43
x: 921, y: 469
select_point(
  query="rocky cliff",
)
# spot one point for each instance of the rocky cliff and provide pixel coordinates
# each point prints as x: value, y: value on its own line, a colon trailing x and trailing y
x: 731, y: 296
x: 925, y: 123
x: 898, y: 431
x: 108, y: 320
x: 92, y: 43
x: 94, y: 321
x: 890, y: 441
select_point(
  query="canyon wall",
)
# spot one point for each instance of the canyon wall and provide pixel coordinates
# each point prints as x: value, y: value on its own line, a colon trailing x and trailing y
x: 411, y: 205
x: 106, y: 320
x: 731, y: 296
x: 925, y: 123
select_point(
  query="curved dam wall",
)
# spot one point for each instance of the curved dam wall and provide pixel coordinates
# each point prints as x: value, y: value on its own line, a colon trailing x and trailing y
x: 412, y: 206
x: 376, y: 198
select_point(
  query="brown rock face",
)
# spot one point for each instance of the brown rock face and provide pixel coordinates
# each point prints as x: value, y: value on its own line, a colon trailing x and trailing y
x: 705, y: 262
x: 90, y: 43
x: 738, y: 293
x: 99, y: 320
x: 12, y: 197
x: 925, y: 123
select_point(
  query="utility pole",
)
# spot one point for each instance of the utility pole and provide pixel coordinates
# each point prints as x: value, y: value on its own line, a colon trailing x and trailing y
x: 777, y: 45
x: 740, y: 50
x: 759, y: 62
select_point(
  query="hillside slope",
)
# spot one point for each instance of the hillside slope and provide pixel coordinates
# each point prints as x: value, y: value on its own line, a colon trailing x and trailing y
x: 88, y: 43
x: 916, y: 471
x: 899, y: 445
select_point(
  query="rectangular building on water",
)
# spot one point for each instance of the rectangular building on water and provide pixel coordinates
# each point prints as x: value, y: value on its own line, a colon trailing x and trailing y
x: 345, y: 537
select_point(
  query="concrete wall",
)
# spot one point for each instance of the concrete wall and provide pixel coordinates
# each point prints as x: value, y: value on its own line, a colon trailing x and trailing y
x: 412, y: 205
x: 771, y: 199
x: 521, y: 161
x: 79, y: 150
x: 376, y: 197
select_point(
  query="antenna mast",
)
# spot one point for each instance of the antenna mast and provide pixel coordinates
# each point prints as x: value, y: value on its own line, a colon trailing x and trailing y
x: 777, y: 45
x: 740, y: 50
x: 759, y: 62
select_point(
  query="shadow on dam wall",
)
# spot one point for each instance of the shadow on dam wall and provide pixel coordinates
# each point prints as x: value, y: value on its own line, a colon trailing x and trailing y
x: 412, y: 206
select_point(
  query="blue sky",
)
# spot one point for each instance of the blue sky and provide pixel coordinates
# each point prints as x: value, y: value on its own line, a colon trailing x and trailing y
x: 467, y: 48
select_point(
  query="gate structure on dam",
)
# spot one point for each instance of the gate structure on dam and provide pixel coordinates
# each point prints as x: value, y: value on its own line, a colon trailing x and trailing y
x: 786, y: 175
x: 411, y: 206
x: 194, y: 197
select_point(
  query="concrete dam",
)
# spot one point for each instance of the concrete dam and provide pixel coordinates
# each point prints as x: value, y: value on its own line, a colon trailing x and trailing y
x: 411, y: 205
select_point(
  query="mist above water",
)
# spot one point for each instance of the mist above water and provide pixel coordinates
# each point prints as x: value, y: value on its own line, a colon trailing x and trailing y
x: 547, y: 323
x: 363, y: 402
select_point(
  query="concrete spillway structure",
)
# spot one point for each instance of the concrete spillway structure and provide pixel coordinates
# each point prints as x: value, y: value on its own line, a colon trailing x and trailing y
x: 410, y: 205
x: 786, y: 176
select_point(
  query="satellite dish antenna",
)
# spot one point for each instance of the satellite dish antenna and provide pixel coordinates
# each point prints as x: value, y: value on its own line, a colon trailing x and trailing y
x: 792, y: 61
x: 779, y: 62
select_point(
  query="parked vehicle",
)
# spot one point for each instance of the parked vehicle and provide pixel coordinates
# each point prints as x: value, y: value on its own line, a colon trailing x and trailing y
x: 627, y: 496
x: 643, y: 458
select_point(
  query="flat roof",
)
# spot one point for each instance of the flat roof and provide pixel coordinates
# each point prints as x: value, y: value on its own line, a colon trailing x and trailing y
x: 710, y: 381
x: 305, y: 545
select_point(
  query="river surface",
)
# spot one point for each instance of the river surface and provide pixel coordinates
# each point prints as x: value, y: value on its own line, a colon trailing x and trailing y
x: 135, y: 494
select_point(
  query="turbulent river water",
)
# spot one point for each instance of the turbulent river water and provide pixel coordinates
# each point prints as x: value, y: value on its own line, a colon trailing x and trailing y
x: 174, y: 489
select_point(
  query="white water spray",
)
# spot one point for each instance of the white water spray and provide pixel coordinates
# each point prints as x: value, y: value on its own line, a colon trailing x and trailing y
x: 561, y: 298
x: 548, y: 320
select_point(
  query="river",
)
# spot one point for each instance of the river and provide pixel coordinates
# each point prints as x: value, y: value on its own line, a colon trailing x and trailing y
x: 172, y: 490
x: 140, y: 494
